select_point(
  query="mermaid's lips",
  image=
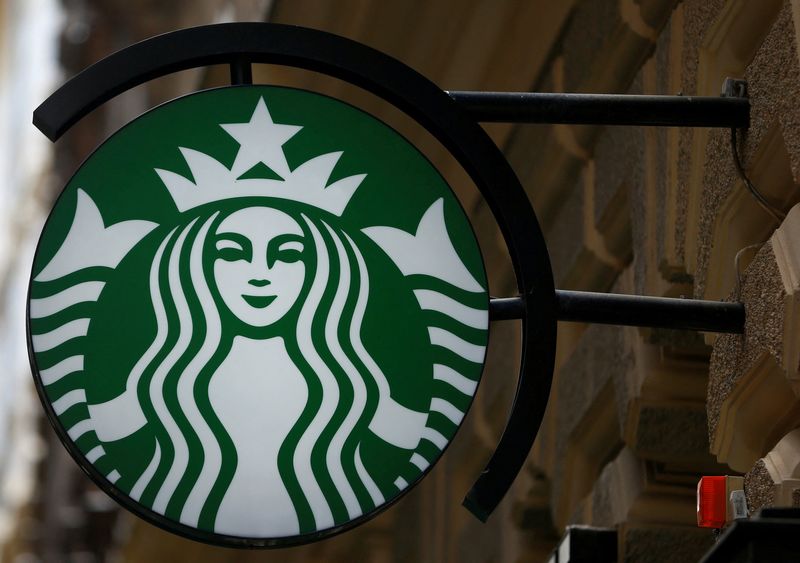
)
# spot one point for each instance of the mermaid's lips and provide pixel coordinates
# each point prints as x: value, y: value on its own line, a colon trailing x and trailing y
x: 258, y: 301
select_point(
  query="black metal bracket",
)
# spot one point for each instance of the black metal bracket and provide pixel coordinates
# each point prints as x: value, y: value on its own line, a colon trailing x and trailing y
x: 729, y: 110
x: 241, y: 44
x: 241, y: 72
x: 633, y: 310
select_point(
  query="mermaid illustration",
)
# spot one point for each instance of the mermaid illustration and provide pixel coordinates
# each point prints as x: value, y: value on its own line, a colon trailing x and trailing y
x: 257, y: 400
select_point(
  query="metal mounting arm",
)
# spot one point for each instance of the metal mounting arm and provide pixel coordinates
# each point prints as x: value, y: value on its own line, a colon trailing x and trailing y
x: 729, y: 111
x: 633, y: 310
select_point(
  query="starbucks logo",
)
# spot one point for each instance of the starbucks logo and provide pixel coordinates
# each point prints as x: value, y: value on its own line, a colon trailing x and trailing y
x: 257, y: 312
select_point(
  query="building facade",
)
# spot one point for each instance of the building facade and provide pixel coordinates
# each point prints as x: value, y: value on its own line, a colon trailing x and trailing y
x: 636, y: 416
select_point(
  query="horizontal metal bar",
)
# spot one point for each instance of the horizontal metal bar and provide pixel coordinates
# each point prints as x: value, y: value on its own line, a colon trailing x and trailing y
x: 606, y: 109
x: 633, y: 310
x: 506, y: 308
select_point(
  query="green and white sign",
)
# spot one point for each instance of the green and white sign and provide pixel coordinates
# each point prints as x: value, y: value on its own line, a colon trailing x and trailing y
x: 257, y: 313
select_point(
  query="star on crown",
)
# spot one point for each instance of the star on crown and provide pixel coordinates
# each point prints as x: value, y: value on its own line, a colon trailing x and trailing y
x: 260, y: 142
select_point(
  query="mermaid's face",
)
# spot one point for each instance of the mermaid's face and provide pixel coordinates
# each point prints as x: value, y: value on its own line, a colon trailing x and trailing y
x: 259, y: 268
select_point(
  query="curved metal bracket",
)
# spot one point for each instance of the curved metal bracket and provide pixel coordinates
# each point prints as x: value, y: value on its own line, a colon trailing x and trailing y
x: 239, y: 44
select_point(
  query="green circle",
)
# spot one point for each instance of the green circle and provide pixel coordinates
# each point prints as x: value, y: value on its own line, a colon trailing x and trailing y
x: 353, y: 392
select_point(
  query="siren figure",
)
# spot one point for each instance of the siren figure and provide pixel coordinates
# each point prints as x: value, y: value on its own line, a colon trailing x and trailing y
x: 293, y: 286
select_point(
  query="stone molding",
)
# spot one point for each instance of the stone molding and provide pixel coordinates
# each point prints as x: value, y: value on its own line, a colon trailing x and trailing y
x: 783, y: 465
x: 755, y: 379
x: 786, y: 246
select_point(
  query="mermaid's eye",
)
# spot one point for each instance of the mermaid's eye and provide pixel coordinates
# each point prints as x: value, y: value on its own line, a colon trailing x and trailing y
x: 285, y: 248
x: 231, y: 249
x: 291, y: 245
x: 227, y: 243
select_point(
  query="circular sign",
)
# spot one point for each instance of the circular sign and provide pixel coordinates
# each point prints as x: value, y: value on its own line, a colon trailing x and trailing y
x: 257, y: 315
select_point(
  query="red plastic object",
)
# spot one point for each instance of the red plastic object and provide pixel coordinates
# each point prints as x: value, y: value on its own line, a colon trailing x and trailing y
x: 711, y: 502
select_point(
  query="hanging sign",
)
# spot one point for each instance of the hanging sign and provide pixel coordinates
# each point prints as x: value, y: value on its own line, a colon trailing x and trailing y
x: 257, y: 315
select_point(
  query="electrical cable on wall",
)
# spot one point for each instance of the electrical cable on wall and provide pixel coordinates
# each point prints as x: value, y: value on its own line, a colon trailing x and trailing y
x: 736, y: 264
x: 776, y: 213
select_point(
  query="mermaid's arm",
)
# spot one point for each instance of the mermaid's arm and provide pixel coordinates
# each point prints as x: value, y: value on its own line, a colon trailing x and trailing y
x: 396, y: 424
x: 118, y: 418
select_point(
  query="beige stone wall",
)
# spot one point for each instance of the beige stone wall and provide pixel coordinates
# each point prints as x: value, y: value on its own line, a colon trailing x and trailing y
x: 637, y: 415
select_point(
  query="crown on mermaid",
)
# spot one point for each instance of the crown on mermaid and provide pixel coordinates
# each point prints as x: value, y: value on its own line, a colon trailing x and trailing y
x: 260, y: 141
